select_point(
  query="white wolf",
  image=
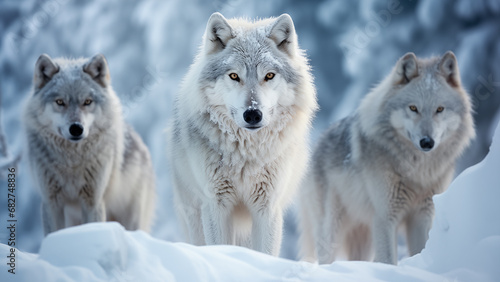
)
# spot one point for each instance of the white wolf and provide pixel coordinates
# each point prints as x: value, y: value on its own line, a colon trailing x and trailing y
x: 90, y: 165
x: 380, y: 167
x: 238, y: 144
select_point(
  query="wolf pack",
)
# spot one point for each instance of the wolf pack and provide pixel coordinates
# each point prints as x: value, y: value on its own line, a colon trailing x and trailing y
x: 239, y: 151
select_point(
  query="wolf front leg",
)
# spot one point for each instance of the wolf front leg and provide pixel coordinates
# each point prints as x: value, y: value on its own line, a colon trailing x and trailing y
x: 188, y: 210
x: 94, y: 213
x: 418, y: 225
x: 92, y: 205
x: 329, y: 224
x: 267, y: 228
x: 52, y: 216
x: 217, y: 226
x: 216, y: 211
x: 384, y: 239
x: 190, y: 217
x: 326, y: 237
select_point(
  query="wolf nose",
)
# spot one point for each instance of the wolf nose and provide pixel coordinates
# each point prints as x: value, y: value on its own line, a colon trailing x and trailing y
x: 76, y: 129
x: 426, y: 143
x: 252, y: 116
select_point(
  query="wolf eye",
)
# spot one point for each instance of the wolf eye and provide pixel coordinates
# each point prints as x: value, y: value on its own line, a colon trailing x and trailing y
x: 60, y: 102
x: 413, y: 108
x: 269, y: 76
x: 234, y: 76
x: 440, y: 109
x: 87, y: 102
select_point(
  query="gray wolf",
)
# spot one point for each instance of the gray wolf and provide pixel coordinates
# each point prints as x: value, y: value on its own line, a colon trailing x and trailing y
x: 379, y: 168
x: 89, y: 164
x: 238, y: 142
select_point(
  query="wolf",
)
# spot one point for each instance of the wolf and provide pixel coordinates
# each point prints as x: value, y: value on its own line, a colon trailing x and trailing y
x: 379, y: 168
x: 89, y: 164
x: 238, y: 141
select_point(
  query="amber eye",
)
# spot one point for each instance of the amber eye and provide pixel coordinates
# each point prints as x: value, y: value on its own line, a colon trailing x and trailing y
x: 269, y: 76
x: 60, y: 102
x: 413, y: 108
x: 87, y: 102
x: 440, y: 109
x: 234, y: 76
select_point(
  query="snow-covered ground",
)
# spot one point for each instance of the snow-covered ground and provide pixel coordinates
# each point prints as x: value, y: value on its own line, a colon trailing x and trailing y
x: 106, y: 252
x: 149, y: 46
x: 464, y: 245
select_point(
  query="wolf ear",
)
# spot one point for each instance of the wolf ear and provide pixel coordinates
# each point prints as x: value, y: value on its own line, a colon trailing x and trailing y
x: 45, y: 69
x: 217, y: 34
x: 406, y: 68
x: 448, y: 66
x: 283, y: 34
x: 97, y: 68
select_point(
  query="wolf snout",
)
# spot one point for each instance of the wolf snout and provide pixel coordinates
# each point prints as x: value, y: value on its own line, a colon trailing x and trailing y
x: 76, y: 131
x: 426, y: 143
x: 252, y: 116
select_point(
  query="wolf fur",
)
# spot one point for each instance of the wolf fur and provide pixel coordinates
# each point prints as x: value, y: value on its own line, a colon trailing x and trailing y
x: 88, y: 163
x: 235, y: 172
x: 380, y: 167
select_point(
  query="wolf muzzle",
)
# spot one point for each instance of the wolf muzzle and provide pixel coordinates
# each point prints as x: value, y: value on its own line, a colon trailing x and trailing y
x: 426, y: 143
x: 76, y: 131
x: 252, y: 116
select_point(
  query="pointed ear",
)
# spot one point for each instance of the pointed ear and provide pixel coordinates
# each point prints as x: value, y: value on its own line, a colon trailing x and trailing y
x: 45, y: 69
x: 217, y: 34
x: 97, y: 68
x: 283, y: 34
x: 406, y: 68
x: 448, y: 66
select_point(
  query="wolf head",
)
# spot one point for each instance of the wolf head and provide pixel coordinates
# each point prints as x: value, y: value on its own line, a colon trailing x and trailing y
x: 427, y: 103
x: 248, y: 68
x: 70, y: 94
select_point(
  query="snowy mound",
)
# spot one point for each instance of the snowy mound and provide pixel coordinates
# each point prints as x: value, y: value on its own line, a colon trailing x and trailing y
x: 464, y: 245
x: 106, y: 252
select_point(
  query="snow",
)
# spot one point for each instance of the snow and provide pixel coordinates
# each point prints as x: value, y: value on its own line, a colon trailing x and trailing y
x: 106, y: 252
x: 149, y: 46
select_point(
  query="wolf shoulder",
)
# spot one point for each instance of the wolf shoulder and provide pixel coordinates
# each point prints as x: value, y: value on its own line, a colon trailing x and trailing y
x: 334, y: 146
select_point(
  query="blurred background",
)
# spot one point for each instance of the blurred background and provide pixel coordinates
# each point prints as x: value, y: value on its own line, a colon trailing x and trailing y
x: 149, y: 46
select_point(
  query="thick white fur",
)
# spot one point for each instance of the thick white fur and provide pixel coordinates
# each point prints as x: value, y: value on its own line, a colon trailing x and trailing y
x: 227, y: 179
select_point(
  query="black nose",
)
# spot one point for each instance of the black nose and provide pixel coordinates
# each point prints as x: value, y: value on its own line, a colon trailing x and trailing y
x: 76, y: 129
x: 426, y: 143
x: 252, y: 116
